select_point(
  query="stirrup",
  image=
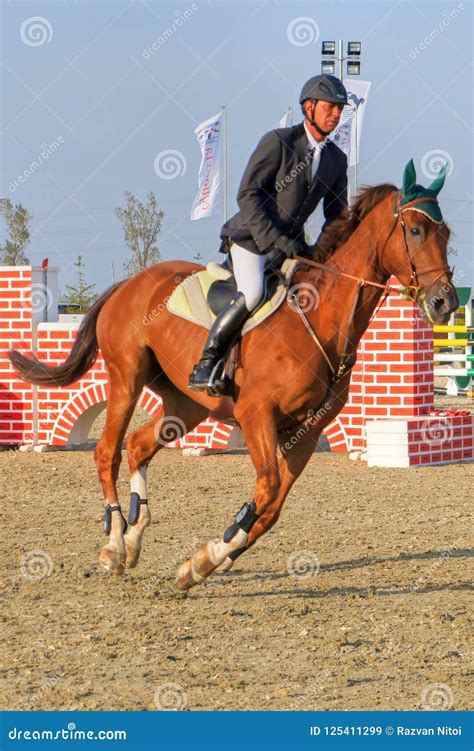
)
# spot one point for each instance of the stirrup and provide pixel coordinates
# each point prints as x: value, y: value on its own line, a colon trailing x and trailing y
x: 217, y: 378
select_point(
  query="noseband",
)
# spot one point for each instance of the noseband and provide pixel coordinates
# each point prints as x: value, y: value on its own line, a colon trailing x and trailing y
x: 414, y: 288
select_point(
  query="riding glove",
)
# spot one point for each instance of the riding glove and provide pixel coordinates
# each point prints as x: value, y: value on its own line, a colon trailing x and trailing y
x: 289, y: 246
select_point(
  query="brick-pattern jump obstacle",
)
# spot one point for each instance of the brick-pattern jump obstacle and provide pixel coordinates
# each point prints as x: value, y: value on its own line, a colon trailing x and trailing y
x: 454, y: 352
x: 386, y: 420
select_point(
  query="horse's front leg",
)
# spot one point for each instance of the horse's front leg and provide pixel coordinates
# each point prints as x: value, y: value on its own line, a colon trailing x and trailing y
x: 261, y: 438
x: 294, y: 452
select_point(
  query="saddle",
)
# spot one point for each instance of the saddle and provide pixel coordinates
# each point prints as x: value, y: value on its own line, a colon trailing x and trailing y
x: 202, y: 296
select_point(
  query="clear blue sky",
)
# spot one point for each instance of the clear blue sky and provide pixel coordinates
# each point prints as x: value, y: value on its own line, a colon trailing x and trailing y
x: 91, y: 88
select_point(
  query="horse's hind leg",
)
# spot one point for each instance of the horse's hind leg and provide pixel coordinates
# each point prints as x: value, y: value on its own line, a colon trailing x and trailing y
x: 178, y: 416
x: 123, y: 394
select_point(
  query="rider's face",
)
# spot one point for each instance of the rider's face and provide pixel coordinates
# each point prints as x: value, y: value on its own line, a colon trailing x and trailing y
x: 327, y: 115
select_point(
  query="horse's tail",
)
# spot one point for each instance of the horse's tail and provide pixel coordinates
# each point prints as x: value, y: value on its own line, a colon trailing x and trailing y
x: 80, y: 359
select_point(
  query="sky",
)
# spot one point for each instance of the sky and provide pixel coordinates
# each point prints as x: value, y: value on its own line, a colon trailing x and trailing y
x: 82, y: 80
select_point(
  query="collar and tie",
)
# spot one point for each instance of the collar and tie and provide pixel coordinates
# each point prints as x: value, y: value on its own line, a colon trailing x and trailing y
x: 315, y: 156
x: 316, y: 149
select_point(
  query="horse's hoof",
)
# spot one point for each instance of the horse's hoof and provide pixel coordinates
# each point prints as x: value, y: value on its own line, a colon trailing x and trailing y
x: 185, y: 577
x: 112, y: 561
x: 133, y: 554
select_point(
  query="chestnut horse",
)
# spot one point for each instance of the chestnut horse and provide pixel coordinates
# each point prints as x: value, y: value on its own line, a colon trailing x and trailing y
x: 292, y: 378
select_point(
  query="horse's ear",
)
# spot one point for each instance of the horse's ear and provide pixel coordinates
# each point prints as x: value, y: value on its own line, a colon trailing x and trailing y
x: 438, y: 182
x: 409, y: 177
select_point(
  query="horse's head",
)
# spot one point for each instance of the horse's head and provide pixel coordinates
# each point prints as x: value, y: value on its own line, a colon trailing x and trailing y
x: 416, y: 251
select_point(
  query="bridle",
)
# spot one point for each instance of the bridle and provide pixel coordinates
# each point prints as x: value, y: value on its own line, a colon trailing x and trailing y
x: 412, y: 290
x: 414, y: 287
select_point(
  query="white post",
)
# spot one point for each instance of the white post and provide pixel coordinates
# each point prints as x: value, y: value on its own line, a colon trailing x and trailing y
x: 341, y: 59
x: 224, y: 170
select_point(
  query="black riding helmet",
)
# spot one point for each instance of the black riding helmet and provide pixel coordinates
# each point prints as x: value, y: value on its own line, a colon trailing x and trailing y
x: 325, y: 87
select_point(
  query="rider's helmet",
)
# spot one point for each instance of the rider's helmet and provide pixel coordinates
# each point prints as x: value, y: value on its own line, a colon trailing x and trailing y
x: 325, y: 87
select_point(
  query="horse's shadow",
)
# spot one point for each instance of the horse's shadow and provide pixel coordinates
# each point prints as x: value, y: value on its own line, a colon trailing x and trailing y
x: 419, y: 585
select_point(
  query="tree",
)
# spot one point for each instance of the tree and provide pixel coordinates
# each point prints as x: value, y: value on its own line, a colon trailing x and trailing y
x: 141, y: 224
x: 12, y: 252
x: 81, y: 295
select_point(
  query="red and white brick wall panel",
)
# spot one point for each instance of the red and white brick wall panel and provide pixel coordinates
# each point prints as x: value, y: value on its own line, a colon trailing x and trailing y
x: 420, y: 441
x: 16, y: 331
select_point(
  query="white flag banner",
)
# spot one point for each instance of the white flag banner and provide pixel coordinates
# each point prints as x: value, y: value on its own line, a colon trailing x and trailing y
x: 285, y: 121
x: 208, y: 199
x: 347, y: 133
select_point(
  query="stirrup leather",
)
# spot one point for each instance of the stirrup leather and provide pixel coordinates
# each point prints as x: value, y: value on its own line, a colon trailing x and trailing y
x: 217, y: 378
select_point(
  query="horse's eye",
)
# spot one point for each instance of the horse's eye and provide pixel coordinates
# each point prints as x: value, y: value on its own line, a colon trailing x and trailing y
x: 414, y: 231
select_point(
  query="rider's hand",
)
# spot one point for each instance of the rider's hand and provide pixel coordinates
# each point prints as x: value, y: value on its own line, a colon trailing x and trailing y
x: 289, y: 246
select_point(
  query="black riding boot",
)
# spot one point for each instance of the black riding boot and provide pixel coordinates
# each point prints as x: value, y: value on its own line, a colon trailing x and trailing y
x: 224, y: 327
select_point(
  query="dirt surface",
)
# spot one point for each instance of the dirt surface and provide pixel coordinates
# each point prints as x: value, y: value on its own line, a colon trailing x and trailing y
x: 443, y: 401
x: 383, y: 620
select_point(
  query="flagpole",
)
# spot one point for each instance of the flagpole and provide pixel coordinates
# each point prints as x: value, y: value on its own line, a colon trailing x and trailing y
x: 356, y: 150
x: 224, y: 181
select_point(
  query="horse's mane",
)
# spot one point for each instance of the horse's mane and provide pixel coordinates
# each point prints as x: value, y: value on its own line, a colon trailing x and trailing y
x: 340, y: 229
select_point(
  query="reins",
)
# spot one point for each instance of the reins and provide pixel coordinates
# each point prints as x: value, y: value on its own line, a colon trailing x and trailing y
x: 413, y: 290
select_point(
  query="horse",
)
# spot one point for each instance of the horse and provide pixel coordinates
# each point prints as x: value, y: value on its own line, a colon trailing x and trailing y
x: 293, y: 373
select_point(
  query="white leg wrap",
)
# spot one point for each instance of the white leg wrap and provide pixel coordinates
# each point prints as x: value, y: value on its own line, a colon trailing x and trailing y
x: 227, y: 565
x: 196, y: 577
x: 138, y: 482
x: 219, y: 550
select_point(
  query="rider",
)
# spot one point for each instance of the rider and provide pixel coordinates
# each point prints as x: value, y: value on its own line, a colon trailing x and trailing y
x: 286, y: 177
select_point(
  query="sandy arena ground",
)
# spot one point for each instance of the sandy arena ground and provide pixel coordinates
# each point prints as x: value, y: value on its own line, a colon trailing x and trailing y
x: 384, y: 618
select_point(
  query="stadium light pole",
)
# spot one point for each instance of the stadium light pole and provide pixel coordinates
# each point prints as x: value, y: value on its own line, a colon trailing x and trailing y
x: 331, y: 59
x: 328, y: 65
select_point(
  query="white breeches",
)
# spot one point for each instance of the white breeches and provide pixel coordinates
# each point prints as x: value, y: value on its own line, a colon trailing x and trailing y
x: 248, y: 272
